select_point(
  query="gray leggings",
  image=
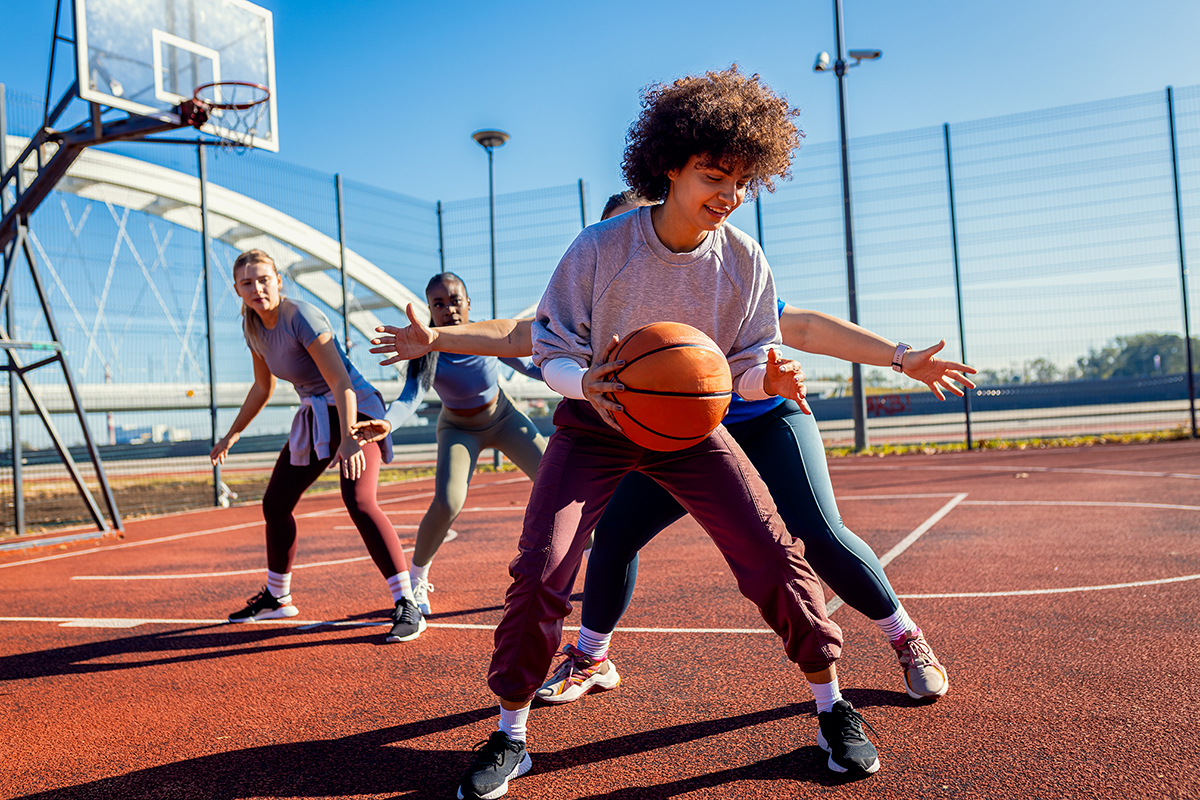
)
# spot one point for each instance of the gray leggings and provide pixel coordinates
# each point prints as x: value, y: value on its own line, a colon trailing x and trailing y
x: 460, y: 441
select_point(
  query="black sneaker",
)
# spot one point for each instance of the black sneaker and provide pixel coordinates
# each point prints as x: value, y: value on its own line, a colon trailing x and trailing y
x: 408, y: 622
x: 841, y: 735
x: 264, y: 605
x: 497, y: 760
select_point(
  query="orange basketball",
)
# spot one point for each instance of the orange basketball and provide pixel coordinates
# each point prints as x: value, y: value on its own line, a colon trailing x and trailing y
x: 677, y: 386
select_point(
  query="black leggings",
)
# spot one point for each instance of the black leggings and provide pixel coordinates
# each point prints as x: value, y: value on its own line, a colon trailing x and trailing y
x: 289, y: 482
x: 785, y: 447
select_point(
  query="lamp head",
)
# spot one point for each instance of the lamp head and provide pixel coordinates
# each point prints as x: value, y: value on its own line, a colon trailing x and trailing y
x: 865, y: 55
x: 822, y: 62
x: 490, y: 139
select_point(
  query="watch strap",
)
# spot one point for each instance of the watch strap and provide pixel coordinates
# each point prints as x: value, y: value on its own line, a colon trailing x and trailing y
x: 898, y: 357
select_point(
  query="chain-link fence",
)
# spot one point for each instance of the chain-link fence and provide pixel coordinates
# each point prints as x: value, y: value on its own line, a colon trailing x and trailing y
x: 1062, y: 256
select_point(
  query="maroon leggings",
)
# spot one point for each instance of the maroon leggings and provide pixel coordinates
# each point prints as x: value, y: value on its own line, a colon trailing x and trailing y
x: 289, y: 482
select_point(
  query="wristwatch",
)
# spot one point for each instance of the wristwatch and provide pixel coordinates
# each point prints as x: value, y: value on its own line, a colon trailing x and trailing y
x: 898, y: 358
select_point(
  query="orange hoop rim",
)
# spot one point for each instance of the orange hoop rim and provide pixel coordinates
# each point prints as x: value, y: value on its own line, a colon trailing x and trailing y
x: 240, y: 106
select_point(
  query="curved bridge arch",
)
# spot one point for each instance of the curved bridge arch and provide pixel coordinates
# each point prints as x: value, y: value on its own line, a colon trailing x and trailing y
x: 240, y: 222
x: 307, y: 255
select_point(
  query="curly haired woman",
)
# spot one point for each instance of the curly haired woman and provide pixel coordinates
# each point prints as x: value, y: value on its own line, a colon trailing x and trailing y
x: 700, y: 145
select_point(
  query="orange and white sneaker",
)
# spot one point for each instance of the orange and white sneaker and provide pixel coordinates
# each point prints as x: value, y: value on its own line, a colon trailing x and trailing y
x: 924, y: 676
x: 576, y: 675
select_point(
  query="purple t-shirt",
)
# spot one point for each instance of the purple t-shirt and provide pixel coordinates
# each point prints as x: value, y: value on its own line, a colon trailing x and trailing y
x: 285, y: 349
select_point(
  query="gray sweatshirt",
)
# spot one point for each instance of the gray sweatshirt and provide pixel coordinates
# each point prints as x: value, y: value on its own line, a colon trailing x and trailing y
x: 617, y: 276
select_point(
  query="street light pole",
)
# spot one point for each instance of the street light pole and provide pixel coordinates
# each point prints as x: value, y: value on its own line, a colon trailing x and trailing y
x: 839, y: 68
x: 490, y: 140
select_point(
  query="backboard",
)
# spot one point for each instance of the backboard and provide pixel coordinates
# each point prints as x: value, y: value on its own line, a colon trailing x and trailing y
x: 147, y: 56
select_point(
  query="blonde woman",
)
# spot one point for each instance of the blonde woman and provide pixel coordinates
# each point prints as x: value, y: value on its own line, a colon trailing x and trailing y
x: 292, y: 340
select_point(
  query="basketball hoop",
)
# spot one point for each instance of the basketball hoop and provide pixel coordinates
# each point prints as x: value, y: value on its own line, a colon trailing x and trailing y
x: 235, y: 109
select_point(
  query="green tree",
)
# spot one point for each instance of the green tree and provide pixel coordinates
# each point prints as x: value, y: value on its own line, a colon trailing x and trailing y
x: 1139, y: 355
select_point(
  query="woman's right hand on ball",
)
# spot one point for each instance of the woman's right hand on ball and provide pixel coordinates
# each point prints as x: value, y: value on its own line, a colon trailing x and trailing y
x: 407, y: 343
x: 596, y: 384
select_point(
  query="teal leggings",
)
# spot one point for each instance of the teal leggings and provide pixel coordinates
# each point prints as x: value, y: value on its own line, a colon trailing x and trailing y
x: 460, y: 441
x: 785, y: 447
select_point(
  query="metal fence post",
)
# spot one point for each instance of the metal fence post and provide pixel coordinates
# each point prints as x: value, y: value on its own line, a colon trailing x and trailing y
x: 337, y: 190
x: 441, y: 243
x: 14, y: 395
x: 206, y: 264
x: 582, y: 205
x: 1187, y: 328
x: 962, y: 336
x: 758, y: 220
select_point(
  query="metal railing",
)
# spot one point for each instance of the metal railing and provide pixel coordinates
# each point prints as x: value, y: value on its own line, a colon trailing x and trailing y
x: 1049, y: 247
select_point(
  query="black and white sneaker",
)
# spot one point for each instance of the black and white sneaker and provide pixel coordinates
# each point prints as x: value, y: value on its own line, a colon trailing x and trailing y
x: 264, y: 605
x: 407, y: 621
x: 497, y: 761
x: 841, y: 735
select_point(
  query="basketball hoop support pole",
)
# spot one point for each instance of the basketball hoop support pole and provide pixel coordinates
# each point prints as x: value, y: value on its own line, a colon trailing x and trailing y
x: 206, y: 264
x: 14, y: 397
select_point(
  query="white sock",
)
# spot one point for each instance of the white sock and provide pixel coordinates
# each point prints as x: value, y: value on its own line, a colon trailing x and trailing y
x: 279, y: 584
x: 512, y: 723
x: 826, y: 695
x: 593, y: 644
x: 418, y: 572
x: 401, y: 586
x: 896, y: 624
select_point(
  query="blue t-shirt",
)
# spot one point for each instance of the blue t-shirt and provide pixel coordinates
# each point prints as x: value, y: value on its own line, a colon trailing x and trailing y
x: 285, y: 349
x: 741, y: 410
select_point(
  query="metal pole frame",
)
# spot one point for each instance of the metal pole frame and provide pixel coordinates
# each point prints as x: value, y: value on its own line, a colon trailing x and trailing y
x: 14, y: 397
x: 962, y: 336
x: 1187, y: 328
x: 492, y: 231
x: 839, y: 67
x: 758, y: 220
x: 22, y: 240
x: 492, y: 227
x: 582, y: 205
x: 341, y: 223
x: 206, y: 265
x: 441, y: 243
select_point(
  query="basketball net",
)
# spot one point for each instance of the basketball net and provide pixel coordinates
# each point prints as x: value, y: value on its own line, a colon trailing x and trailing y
x: 236, y: 108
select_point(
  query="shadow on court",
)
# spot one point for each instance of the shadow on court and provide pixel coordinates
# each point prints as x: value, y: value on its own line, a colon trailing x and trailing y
x: 378, y: 763
x: 178, y: 646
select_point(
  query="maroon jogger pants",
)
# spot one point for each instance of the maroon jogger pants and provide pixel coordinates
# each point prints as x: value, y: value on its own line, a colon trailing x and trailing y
x: 584, y: 461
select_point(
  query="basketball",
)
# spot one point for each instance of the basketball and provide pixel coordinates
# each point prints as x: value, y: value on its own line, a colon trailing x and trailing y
x: 677, y: 386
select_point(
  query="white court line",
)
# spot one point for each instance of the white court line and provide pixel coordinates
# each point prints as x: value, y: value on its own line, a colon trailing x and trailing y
x: 469, y: 508
x: 836, y: 602
x: 421, y: 496
x: 451, y: 535
x: 109, y: 549
x: 255, y: 571
x: 159, y: 540
x: 397, y: 527
x: 1102, y: 503
x: 892, y: 496
x: 1024, y: 592
x: 1018, y: 468
x: 120, y: 622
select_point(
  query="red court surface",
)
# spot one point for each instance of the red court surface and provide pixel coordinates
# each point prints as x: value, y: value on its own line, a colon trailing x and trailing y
x: 1060, y: 587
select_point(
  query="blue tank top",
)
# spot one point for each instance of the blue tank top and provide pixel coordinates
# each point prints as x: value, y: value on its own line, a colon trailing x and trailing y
x: 741, y: 410
x: 461, y: 381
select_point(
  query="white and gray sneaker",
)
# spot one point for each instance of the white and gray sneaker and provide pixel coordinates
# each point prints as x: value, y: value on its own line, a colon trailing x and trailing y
x: 421, y: 595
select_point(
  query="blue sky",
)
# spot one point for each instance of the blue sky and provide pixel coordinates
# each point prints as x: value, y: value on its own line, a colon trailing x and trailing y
x: 388, y: 92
